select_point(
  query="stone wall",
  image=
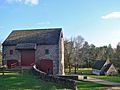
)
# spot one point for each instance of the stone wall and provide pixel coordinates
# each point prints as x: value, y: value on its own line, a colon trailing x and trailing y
x: 53, y: 55
x: 56, y: 53
x: 6, y: 54
x: 67, y: 83
x: 61, y: 54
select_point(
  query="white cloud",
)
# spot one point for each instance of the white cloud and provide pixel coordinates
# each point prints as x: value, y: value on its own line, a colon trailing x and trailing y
x: 111, y: 15
x: 31, y: 2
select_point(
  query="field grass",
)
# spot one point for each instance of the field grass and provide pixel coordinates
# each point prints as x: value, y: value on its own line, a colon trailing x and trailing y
x: 83, y: 85
x: 25, y: 81
x: 85, y: 71
x: 108, y: 78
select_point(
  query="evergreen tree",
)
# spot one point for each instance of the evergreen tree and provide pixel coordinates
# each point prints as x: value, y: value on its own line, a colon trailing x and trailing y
x: 116, y: 58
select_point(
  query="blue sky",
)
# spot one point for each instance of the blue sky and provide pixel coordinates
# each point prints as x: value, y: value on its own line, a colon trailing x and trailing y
x: 97, y: 21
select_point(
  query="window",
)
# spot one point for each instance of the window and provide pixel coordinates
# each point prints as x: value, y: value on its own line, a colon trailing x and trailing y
x: 46, y: 51
x: 11, y: 52
x: 62, y: 35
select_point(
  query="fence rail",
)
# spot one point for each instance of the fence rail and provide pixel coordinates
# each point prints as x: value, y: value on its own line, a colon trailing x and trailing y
x: 13, y: 65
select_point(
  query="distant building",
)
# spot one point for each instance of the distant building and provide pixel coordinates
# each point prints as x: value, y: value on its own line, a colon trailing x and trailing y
x: 103, y: 67
x: 44, y: 47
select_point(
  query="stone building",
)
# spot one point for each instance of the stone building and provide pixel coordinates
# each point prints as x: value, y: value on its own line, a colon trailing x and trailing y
x: 43, y: 47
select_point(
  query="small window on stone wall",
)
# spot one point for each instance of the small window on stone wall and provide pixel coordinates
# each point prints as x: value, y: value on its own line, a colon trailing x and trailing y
x: 62, y: 35
x: 46, y: 51
x: 11, y: 52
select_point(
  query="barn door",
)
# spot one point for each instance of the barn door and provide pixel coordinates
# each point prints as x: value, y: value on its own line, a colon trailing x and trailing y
x: 12, y: 63
x: 27, y: 57
x: 46, y: 66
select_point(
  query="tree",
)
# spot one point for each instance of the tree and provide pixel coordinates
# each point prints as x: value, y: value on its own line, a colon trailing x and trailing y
x: 78, y: 43
x: 78, y: 53
x: 100, y: 53
x: 68, y: 53
x: 73, y: 52
x: 92, y: 55
x: 85, y: 54
x: 116, y: 57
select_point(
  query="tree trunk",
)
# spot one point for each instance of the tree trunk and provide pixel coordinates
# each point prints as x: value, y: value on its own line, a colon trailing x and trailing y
x: 75, y: 69
x: 69, y: 68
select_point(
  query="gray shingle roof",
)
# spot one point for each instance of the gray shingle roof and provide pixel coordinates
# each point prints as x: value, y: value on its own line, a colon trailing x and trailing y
x: 38, y: 36
x: 99, y: 64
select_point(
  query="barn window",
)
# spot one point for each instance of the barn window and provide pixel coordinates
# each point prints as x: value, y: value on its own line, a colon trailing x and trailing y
x: 61, y: 35
x: 11, y: 52
x: 46, y: 51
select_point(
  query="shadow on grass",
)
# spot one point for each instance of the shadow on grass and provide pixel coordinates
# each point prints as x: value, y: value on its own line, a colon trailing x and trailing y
x: 25, y: 81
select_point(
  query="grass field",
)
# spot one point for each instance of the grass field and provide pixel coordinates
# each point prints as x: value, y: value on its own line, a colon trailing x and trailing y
x: 86, y: 71
x: 83, y: 85
x: 26, y: 81
x: 108, y: 78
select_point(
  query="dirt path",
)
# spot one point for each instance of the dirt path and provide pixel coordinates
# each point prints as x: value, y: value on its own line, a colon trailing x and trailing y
x: 104, y: 82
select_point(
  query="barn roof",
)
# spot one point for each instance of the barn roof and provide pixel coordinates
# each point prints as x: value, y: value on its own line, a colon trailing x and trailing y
x: 99, y: 64
x: 37, y: 36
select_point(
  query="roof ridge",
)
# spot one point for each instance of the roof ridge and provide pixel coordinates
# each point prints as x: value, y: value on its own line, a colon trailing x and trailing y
x: 37, y: 29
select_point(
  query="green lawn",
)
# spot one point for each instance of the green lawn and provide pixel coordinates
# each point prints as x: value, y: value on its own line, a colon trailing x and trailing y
x: 85, y: 71
x: 88, y: 71
x: 108, y: 78
x: 83, y: 85
x: 25, y: 81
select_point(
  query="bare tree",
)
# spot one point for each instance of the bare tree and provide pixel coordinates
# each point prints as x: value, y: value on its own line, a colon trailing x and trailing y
x: 73, y: 54
x: 68, y: 53
x: 78, y: 43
